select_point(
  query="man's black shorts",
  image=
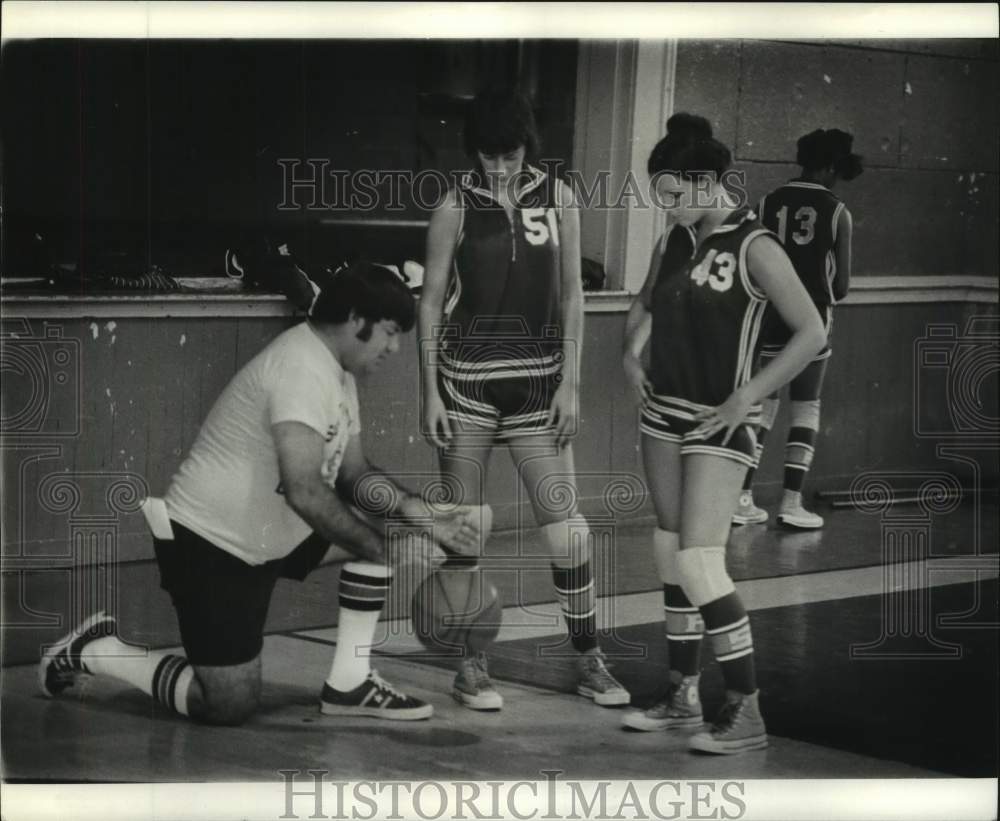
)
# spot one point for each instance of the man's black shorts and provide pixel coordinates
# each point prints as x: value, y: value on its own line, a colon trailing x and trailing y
x: 221, y: 601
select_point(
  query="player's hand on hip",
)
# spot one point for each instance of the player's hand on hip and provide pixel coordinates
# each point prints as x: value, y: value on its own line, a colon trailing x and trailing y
x: 726, y: 417
x: 437, y: 430
x: 636, y: 377
x: 563, y: 413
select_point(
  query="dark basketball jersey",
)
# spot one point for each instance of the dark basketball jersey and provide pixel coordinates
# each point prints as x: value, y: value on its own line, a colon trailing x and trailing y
x: 504, y: 295
x: 676, y: 246
x: 803, y: 215
x: 706, y: 316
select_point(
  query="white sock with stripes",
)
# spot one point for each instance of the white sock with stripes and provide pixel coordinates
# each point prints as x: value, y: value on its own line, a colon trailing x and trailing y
x: 363, y: 588
x: 164, y: 676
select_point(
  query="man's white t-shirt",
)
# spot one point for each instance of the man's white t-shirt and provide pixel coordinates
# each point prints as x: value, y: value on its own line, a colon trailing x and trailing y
x: 228, y: 489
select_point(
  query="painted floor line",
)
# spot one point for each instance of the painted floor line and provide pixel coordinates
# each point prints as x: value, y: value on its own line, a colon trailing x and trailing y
x: 542, y: 620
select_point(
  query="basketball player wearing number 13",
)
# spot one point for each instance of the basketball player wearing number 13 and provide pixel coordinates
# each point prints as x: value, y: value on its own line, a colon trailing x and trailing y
x: 815, y: 228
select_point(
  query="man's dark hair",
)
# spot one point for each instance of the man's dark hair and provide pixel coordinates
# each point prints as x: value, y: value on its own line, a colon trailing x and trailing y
x: 371, y: 291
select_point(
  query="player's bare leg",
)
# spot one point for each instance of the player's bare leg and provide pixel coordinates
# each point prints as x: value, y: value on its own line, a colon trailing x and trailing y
x: 547, y: 472
x: 463, y: 473
x: 679, y: 706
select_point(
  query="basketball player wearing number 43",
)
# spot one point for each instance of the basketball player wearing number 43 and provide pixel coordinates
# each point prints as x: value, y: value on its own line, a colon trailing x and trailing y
x: 701, y: 309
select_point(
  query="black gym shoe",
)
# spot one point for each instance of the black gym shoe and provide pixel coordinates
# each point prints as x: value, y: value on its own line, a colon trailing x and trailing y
x: 375, y: 698
x: 61, y: 663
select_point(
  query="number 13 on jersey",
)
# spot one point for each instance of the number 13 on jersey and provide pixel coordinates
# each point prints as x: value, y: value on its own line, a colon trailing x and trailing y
x: 806, y: 230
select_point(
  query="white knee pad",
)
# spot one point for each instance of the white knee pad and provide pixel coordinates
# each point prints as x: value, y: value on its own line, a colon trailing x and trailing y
x: 666, y: 545
x: 805, y: 414
x: 768, y: 412
x: 703, y: 573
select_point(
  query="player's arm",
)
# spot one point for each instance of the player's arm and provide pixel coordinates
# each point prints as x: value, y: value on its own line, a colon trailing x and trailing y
x: 773, y: 272
x: 571, y: 284
x: 300, y: 457
x: 639, y: 324
x: 565, y: 405
x: 842, y: 255
x: 377, y: 494
x: 442, y: 234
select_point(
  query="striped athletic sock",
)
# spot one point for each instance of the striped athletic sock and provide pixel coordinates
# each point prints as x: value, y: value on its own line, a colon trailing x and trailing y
x: 171, y: 680
x: 757, y: 453
x: 165, y: 677
x: 575, y: 591
x: 798, y: 457
x: 683, y: 623
x: 728, y: 627
x: 685, y: 629
x: 363, y: 590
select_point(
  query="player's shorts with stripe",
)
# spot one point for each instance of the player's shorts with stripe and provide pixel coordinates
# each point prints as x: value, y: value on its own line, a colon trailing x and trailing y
x: 221, y: 601
x: 673, y: 420
x: 503, y: 404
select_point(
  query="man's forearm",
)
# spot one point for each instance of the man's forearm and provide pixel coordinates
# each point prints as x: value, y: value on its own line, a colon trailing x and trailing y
x: 377, y: 494
x: 331, y: 518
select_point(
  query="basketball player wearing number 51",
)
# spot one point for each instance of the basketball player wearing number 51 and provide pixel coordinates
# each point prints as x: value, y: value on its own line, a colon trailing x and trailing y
x: 276, y: 475
x: 501, y: 321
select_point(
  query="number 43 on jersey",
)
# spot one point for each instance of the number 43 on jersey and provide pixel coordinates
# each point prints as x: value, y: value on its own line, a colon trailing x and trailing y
x: 716, y: 270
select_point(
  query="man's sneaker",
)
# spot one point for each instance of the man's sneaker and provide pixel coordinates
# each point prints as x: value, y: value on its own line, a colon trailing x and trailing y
x: 61, y: 663
x: 747, y: 513
x: 375, y: 698
x: 799, y: 518
x: 737, y: 729
x: 597, y: 683
x: 680, y: 707
x: 473, y: 687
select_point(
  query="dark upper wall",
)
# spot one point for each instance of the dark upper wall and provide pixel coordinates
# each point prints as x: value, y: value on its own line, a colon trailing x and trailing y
x: 128, y: 154
x: 925, y: 115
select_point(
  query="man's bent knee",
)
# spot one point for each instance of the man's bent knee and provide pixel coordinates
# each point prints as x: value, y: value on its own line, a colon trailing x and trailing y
x: 228, y: 713
x: 229, y: 695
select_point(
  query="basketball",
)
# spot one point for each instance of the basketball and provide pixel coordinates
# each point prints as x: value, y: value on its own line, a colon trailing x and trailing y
x: 453, y: 610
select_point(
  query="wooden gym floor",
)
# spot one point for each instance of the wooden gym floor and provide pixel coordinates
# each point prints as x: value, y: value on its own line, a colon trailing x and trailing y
x: 864, y: 672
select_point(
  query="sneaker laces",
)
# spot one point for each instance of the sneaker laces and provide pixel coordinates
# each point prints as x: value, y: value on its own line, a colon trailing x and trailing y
x: 382, y: 684
x: 727, y: 716
x: 475, y: 669
x: 599, y: 670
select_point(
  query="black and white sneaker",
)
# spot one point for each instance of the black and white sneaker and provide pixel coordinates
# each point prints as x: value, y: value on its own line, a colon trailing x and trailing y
x: 375, y: 698
x: 61, y: 663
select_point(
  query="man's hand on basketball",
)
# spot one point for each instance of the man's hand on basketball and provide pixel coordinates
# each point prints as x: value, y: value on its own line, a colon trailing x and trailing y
x: 562, y: 412
x: 457, y: 527
x: 726, y: 417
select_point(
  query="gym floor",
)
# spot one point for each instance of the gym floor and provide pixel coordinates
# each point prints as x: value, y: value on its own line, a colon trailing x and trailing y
x: 867, y: 670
